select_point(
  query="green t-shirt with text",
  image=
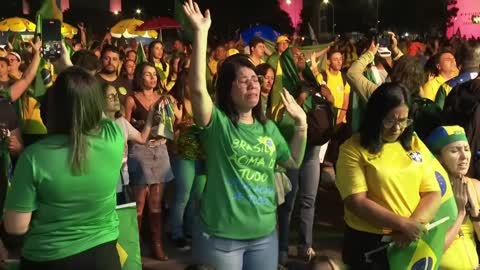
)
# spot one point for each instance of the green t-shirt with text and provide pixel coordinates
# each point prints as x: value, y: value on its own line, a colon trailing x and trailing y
x: 70, y: 213
x: 239, y: 199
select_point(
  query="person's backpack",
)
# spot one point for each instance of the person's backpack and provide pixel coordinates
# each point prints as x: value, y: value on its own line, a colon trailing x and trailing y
x: 320, y: 117
x: 426, y: 115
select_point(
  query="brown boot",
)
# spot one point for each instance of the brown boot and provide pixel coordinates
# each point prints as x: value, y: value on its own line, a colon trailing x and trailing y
x: 156, y: 227
x: 139, y: 223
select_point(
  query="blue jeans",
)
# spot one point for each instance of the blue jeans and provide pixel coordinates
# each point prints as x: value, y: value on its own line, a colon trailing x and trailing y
x: 229, y: 254
x: 306, y: 179
x: 189, y: 183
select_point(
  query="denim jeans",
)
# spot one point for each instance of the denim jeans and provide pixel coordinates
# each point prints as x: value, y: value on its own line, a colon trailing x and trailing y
x: 189, y: 183
x: 229, y: 254
x: 305, y: 180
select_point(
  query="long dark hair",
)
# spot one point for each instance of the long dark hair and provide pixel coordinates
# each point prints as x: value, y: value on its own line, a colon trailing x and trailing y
x: 73, y: 107
x: 150, y: 54
x: 223, y: 88
x: 387, y: 97
x: 138, y: 77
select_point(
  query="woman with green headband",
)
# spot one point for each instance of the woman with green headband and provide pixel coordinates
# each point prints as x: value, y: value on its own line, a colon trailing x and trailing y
x: 450, y: 146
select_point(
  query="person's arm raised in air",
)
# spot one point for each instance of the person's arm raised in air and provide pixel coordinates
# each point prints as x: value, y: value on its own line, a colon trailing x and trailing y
x: 202, y: 104
x: 19, y: 87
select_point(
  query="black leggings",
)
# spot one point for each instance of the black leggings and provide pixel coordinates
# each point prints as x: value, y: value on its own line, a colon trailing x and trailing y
x: 101, y: 257
x: 356, y: 244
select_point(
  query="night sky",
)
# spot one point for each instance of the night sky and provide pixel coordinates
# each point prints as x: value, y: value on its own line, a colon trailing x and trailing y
x: 231, y: 15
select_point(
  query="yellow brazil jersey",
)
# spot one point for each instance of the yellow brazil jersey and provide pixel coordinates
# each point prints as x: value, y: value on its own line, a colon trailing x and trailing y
x: 430, y: 89
x: 393, y: 178
x: 32, y: 121
x: 339, y: 90
x: 462, y: 253
x: 212, y: 65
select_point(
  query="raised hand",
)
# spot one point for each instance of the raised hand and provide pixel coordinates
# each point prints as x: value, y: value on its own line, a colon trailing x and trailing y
x: 297, y: 112
x: 37, y: 45
x: 199, y: 21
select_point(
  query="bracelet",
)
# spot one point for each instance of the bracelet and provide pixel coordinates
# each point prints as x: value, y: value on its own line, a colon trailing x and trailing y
x: 301, y: 128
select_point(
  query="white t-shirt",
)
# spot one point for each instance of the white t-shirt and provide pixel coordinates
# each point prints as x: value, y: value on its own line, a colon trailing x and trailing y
x: 129, y: 133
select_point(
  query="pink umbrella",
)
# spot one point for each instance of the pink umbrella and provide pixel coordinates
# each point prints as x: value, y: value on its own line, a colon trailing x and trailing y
x: 159, y: 23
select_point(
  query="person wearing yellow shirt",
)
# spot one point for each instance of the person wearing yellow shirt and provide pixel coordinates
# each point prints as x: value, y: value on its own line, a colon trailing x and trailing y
x: 218, y: 55
x: 338, y: 86
x: 156, y: 57
x: 387, y: 184
x: 446, y: 69
x: 450, y: 146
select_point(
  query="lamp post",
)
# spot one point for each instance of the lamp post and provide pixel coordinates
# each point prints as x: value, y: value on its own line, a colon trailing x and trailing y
x: 326, y: 2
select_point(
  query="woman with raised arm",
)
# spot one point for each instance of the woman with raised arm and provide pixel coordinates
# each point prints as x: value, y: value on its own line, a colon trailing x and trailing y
x: 238, y: 206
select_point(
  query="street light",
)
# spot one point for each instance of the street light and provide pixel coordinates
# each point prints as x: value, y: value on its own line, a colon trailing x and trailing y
x: 115, y: 12
x: 138, y: 11
x: 326, y: 2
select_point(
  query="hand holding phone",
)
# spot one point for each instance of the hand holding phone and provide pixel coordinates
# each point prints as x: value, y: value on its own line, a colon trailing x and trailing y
x: 52, y: 39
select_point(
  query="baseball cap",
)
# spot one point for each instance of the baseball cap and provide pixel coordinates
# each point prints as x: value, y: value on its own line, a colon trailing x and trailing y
x: 283, y: 38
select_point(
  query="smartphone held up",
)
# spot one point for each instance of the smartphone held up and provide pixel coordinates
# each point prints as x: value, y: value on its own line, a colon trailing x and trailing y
x: 51, y: 38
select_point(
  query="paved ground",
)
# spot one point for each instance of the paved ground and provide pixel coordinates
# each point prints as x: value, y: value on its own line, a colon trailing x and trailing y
x: 328, y: 232
x: 327, y: 236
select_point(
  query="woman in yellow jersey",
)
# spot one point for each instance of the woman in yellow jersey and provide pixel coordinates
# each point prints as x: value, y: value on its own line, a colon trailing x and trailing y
x: 156, y: 57
x: 385, y: 182
x: 450, y: 146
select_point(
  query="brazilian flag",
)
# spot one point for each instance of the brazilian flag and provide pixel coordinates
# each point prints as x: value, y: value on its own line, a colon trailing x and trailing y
x: 128, y: 246
x: 141, y: 57
x: 287, y: 75
x: 426, y: 253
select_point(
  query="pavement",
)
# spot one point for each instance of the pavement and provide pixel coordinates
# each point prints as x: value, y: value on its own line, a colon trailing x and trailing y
x: 328, y: 235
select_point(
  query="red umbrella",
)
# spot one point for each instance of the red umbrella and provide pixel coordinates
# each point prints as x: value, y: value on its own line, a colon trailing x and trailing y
x: 159, y: 23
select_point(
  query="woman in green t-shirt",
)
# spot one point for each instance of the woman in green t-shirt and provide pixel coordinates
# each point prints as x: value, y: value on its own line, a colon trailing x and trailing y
x: 63, y: 189
x: 238, y: 205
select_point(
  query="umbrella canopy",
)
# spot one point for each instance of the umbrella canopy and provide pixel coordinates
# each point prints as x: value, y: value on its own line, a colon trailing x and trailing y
x: 128, y: 29
x: 263, y: 31
x: 68, y: 30
x: 159, y: 23
x: 17, y: 24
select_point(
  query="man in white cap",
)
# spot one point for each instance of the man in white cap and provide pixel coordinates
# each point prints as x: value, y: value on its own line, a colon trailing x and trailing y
x: 15, y: 61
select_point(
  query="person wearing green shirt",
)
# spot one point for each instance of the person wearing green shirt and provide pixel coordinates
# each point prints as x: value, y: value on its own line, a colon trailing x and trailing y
x: 238, y: 206
x: 62, y: 195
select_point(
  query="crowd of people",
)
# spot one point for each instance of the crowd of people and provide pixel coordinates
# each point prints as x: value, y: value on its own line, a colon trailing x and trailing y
x: 217, y: 151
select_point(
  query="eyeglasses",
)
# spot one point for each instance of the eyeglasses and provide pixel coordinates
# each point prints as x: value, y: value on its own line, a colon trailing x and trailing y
x: 253, y: 79
x: 403, y: 123
x: 112, y: 97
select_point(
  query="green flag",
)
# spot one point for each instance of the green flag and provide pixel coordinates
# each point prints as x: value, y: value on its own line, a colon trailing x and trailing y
x: 50, y: 10
x: 128, y: 246
x: 182, y: 19
x: 141, y: 57
x: 17, y: 42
